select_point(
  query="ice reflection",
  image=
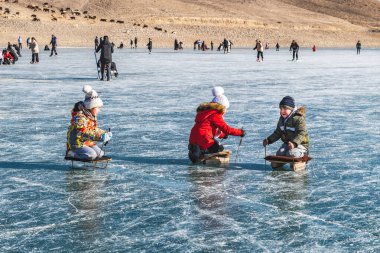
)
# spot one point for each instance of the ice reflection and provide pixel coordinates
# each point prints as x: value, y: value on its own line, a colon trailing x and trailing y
x: 287, y: 192
x: 209, y: 194
x: 86, y: 202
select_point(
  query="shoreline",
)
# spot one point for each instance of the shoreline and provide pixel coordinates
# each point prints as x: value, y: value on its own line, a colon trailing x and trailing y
x: 233, y: 48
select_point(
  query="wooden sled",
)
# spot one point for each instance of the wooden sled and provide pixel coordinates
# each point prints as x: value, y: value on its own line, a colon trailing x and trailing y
x: 90, y: 163
x: 296, y: 164
x: 217, y: 158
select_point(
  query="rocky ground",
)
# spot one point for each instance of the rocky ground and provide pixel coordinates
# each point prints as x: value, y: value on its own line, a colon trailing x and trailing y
x: 336, y: 23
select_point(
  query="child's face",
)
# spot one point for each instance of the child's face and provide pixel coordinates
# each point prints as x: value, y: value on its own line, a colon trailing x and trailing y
x: 284, y: 112
x: 95, y: 111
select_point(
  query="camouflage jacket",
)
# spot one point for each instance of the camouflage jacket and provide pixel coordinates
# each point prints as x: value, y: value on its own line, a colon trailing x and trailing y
x: 293, y: 130
x: 83, y: 131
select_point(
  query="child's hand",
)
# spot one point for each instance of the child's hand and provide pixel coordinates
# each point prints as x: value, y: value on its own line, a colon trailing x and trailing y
x: 290, y: 145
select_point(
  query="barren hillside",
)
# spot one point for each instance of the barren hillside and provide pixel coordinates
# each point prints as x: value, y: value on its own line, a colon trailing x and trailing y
x: 326, y: 23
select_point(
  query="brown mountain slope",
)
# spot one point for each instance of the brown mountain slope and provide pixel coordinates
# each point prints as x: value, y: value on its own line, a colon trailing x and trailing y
x: 321, y: 22
x: 365, y: 13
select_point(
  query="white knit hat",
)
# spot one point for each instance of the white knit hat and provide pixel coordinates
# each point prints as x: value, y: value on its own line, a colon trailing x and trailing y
x: 223, y: 100
x: 92, y: 99
x: 219, y: 97
x: 217, y: 91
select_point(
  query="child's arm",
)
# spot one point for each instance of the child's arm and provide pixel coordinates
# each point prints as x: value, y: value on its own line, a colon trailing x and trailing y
x: 218, y: 121
x: 276, y: 135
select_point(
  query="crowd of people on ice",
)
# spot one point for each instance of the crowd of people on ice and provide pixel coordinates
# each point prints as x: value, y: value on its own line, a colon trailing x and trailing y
x: 12, y: 52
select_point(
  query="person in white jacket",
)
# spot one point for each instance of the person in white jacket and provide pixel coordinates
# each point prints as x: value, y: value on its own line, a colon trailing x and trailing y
x: 260, y: 50
x: 35, y: 51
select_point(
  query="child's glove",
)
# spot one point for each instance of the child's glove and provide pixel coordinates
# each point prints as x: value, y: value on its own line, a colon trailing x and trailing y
x: 106, y: 137
x: 243, y: 133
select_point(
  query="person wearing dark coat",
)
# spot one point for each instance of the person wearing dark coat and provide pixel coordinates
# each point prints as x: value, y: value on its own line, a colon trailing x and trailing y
x: 106, y: 51
x: 150, y: 45
x: 358, y: 47
x: 96, y: 42
x: 176, y: 44
x: 295, y: 47
x: 225, y: 45
x: 17, y: 48
x: 135, y: 42
x: 12, y: 52
x: 53, y: 43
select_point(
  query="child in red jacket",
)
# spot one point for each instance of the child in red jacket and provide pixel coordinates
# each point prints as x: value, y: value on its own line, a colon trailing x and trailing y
x: 209, y: 124
x: 7, y: 57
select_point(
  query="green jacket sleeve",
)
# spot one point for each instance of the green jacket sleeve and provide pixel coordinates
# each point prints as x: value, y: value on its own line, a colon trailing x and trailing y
x: 276, y: 134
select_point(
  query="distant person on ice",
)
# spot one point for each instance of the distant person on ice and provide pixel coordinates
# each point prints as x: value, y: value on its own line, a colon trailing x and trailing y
x: 7, y: 58
x: 226, y: 45
x: 135, y: 42
x: 291, y: 129
x: 150, y: 45
x: 12, y: 52
x: 176, y: 44
x: 358, y: 47
x: 83, y: 131
x: 19, y: 40
x: 106, y: 51
x: 209, y: 125
x: 260, y: 50
x: 295, y: 47
x: 277, y: 47
x: 17, y: 48
x: 35, y: 51
x: 53, y: 43
x: 96, y: 42
x: 28, y: 42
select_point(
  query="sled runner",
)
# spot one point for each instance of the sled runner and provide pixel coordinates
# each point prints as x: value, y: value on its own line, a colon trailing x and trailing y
x: 296, y: 164
x: 90, y: 163
x: 216, y: 158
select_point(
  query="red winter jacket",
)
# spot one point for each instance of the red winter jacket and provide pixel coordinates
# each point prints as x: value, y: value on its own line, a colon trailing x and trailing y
x: 7, y: 55
x: 209, y: 123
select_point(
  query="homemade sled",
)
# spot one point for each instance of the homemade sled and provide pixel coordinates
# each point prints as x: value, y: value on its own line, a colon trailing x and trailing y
x: 87, y: 163
x: 113, y: 72
x: 219, y: 158
x: 296, y: 164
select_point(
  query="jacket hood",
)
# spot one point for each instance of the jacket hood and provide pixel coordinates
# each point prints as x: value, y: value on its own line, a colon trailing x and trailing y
x: 205, y: 110
x: 301, y: 111
x: 211, y: 106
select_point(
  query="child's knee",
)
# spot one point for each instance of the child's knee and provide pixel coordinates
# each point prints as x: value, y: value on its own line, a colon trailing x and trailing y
x: 295, y: 152
x: 281, y: 151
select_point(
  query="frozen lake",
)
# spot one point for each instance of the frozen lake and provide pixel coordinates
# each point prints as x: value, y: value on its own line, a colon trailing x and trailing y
x: 150, y: 199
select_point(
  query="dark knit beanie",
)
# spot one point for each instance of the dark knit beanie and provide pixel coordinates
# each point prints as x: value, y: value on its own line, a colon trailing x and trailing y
x: 287, y: 102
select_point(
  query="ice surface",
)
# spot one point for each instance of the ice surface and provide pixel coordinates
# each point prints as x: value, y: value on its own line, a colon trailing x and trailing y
x: 150, y: 199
